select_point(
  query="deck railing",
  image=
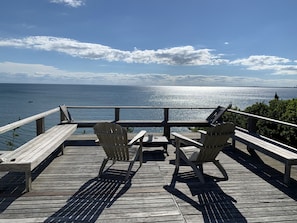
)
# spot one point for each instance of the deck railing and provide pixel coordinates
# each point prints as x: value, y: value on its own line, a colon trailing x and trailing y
x: 39, y: 119
x: 253, y: 119
x: 165, y: 121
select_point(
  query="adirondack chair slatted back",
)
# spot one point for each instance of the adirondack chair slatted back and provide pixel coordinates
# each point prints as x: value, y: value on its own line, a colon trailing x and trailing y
x: 214, y: 140
x: 113, y: 138
x: 65, y: 113
x: 216, y: 116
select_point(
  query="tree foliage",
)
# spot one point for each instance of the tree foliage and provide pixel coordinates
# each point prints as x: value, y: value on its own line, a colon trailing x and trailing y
x: 283, y: 110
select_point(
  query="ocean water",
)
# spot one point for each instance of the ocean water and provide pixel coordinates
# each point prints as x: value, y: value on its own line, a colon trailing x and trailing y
x: 22, y: 100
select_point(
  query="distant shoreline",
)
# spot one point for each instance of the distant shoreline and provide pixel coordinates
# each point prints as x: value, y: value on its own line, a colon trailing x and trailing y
x: 63, y: 84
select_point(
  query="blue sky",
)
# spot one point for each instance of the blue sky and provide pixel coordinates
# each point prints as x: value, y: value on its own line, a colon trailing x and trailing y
x: 149, y: 42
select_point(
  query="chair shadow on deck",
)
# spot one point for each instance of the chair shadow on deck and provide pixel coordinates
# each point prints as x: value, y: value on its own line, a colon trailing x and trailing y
x: 97, y: 194
x: 209, y: 199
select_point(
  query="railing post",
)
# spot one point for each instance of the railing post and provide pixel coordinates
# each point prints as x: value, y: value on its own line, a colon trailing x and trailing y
x: 62, y: 117
x: 166, y: 130
x: 116, y: 114
x: 252, y: 127
x: 40, y: 128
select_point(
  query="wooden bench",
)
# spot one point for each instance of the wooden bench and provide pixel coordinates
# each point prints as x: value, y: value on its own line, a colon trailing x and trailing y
x: 31, y: 154
x: 279, y: 151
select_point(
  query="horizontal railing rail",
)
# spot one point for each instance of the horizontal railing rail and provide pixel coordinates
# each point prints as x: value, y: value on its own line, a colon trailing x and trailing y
x: 165, y: 121
x: 252, y: 119
x: 255, y: 117
x: 251, y: 127
x: 39, y: 118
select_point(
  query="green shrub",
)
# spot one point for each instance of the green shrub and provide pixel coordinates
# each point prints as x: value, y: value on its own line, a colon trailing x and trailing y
x: 283, y: 110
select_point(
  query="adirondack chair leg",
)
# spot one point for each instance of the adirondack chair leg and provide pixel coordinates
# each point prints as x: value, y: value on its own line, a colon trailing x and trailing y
x: 194, y: 167
x: 102, y: 166
x: 129, y: 170
x: 197, y: 172
x: 201, y: 168
x: 177, y: 156
x: 221, y: 168
x: 28, y: 181
x: 140, y: 157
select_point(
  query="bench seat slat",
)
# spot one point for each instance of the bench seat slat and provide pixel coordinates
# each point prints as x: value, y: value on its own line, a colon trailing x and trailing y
x: 269, y: 147
x: 48, y: 143
x: 26, y: 152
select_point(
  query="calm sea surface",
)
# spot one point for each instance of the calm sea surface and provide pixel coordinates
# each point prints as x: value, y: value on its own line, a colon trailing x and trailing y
x: 23, y: 100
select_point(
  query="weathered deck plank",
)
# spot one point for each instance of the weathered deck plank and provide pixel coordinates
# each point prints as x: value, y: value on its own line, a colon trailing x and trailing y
x: 66, y: 189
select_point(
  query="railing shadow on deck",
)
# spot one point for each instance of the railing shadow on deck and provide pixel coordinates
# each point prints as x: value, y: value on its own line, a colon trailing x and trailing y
x: 97, y: 194
x: 264, y: 171
x: 12, y: 187
x: 12, y: 184
x: 209, y: 199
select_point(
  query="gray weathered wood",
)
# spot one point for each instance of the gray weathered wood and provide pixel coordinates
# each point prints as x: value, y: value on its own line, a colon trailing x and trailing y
x: 280, y: 152
x: 19, y: 123
x: 31, y: 154
x: 77, y: 195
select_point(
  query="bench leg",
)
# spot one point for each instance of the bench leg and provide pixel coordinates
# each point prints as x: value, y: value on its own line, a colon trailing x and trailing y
x: 165, y: 147
x: 62, y: 148
x: 287, y: 173
x: 28, y: 181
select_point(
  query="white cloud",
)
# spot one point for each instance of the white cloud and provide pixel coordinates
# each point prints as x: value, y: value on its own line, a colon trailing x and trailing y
x: 184, y: 55
x: 29, y: 69
x: 176, y: 56
x: 261, y: 60
x: 278, y: 65
x: 72, y: 3
x: 39, y: 73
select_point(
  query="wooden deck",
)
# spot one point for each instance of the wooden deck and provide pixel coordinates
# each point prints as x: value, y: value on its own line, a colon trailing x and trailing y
x: 65, y: 189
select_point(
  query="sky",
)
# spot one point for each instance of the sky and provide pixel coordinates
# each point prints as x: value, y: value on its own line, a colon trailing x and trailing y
x: 149, y: 42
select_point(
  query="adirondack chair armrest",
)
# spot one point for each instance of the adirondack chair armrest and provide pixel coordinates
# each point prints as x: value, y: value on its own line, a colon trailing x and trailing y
x: 186, y: 140
x: 139, y: 136
x: 202, y: 132
x: 203, y: 135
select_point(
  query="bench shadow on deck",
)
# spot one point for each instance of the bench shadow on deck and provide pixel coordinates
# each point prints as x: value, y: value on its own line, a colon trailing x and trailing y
x: 151, y: 194
x: 268, y: 171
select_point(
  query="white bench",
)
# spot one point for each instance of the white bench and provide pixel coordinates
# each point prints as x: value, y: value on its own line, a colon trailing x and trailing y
x: 279, y: 151
x: 31, y: 154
